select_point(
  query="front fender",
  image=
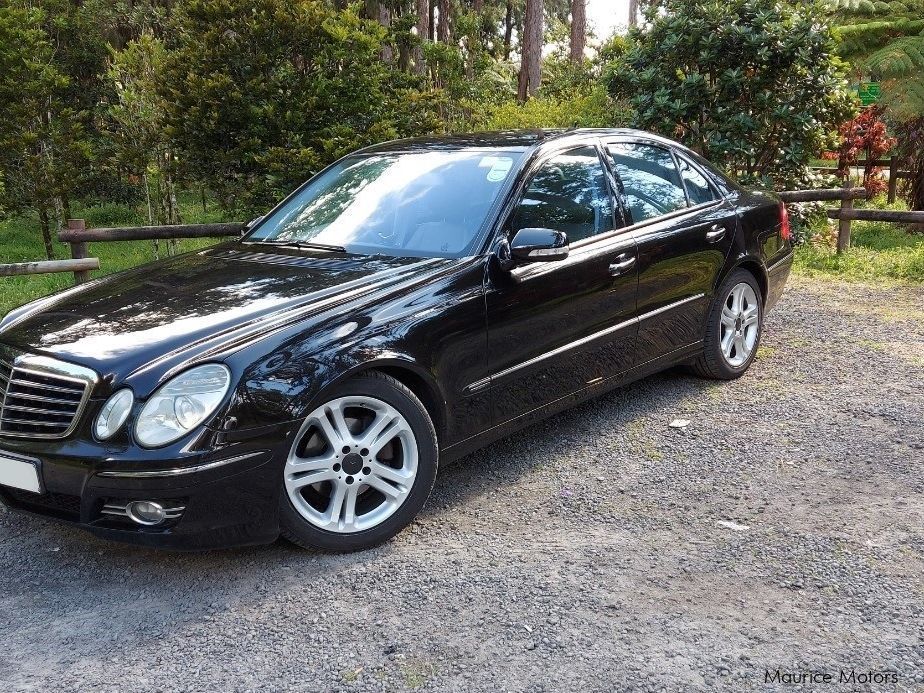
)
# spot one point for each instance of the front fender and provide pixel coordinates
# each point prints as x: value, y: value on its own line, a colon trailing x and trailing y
x: 283, y: 390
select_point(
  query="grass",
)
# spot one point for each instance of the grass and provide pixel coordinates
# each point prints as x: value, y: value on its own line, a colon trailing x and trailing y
x: 21, y: 241
x: 880, y: 251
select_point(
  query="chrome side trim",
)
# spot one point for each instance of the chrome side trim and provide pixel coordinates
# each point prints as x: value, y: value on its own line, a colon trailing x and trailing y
x: 779, y: 262
x: 565, y: 347
x: 179, y: 471
x: 481, y: 384
x: 670, y: 306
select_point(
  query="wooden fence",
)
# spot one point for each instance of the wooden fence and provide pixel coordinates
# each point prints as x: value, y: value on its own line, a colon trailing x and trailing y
x: 79, y: 236
x: 846, y: 213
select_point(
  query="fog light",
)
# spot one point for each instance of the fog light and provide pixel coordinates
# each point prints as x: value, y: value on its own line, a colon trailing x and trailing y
x: 146, y: 512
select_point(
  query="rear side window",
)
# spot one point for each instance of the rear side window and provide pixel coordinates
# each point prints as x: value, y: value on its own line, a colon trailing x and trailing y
x: 698, y: 187
x: 568, y: 193
x: 650, y: 180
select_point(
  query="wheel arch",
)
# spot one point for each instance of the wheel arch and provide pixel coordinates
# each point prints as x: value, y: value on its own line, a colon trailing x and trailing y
x: 756, y: 268
x: 413, y: 376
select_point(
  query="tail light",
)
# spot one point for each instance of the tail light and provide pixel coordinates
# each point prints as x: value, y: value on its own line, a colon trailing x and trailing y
x: 785, y: 229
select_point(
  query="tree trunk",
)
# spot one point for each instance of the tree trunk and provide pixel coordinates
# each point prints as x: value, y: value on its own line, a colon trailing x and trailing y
x: 147, y: 193
x: 423, y: 34
x: 508, y: 29
x: 633, y: 13
x: 46, y: 233
x: 445, y: 35
x: 387, y: 53
x: 531, y: 59
x: 578, y: 30
x: 432, y: 32
x: 911, y: 148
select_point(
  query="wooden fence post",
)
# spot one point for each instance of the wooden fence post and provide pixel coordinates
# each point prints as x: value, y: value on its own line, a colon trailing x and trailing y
x: 843, y: 225
x: 79, y: 250
x: 893, y: 178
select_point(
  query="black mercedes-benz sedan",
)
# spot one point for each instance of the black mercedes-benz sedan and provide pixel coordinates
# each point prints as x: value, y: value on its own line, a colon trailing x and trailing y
x: 410, y: 303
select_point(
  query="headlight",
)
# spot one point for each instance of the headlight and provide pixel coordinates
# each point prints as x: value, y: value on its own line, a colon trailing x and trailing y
x: 181, y: 404
x: 113, y: 414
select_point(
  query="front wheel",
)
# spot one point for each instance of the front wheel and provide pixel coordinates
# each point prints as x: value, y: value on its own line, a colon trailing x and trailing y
x: 360, y: 468
x: 733, y: 329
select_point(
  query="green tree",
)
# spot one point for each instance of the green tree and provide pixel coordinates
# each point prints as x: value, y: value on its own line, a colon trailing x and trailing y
x: 32, y: 136
x: 260, y: 95
x: 752, y: 84
x: 136, y: 129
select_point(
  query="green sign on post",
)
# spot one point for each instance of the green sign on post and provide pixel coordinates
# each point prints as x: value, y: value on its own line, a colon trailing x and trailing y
x: 869, y: 93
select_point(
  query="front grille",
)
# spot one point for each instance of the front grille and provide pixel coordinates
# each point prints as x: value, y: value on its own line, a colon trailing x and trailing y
x: 60, y: 504
x: 41, y: 397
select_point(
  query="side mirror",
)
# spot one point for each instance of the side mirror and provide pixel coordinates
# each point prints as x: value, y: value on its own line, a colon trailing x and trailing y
x: 538, y: 245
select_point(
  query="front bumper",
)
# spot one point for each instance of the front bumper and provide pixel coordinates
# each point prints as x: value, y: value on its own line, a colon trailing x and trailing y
x: 229, y: 498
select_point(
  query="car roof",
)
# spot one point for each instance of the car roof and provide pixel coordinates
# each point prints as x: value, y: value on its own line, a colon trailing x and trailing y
x: 514, y: 140
x: 533, y: 140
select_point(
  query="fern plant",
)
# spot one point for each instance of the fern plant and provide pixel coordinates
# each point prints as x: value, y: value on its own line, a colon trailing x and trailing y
x: 886, y: 40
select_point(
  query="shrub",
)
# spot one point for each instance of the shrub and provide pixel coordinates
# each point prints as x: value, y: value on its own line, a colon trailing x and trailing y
x: 753, y: 85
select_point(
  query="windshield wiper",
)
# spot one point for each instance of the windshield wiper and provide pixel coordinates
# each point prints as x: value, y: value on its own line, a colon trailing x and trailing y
x: 307, y: 244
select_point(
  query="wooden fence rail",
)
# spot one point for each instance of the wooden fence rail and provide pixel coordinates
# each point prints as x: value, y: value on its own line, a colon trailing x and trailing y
x: 889, y: 215
x: 845, y: 195
x: 49, y: 267
x: 823, y: 195
x: 78, y: 233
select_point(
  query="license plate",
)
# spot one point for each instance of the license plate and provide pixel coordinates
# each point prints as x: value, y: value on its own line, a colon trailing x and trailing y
x: 19, y: 474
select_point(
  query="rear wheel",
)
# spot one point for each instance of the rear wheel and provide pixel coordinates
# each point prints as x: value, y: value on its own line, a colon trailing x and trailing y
x: 360, y: 468
x: 733, y: 329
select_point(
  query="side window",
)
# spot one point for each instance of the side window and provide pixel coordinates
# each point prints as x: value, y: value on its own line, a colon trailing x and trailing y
x: 698, y: 187
x: 569, y: 193
x: 649, y: 178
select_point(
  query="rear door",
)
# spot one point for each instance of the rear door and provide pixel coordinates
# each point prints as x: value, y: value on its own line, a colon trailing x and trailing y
x: 684, y: 229
x: 557, y: 327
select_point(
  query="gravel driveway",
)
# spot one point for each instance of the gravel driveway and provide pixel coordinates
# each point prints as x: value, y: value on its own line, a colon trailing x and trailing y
x: 782, y: 530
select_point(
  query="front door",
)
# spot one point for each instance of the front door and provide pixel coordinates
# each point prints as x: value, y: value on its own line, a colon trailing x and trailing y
x: 557, y: 327
x: 684, y: 231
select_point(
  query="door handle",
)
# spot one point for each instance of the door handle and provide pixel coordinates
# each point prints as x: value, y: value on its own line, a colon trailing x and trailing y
x: 715, y: 233
x: 622, y: 265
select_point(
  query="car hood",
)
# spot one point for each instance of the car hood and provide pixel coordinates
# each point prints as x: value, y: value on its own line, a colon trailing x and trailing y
x: 119, y: 323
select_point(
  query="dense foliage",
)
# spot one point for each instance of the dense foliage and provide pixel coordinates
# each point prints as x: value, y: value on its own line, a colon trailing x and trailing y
x: 885, y: 41
x: 262, y: 93
x: 143, y: 101
x: 754, y: 84
x: 865, y: 136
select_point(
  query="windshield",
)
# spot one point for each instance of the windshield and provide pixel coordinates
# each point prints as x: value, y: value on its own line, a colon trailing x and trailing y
x: 429, y: 204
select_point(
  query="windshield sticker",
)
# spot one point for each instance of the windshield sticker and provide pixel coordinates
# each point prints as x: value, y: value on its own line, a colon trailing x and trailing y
x: 500, y: 167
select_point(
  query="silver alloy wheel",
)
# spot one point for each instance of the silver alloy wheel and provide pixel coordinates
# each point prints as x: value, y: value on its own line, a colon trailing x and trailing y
x: 740, y: 324
x: 352, y: 465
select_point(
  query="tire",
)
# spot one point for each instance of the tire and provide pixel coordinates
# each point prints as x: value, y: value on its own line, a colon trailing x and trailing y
x: 716, y: 362
x: 389, y: 482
